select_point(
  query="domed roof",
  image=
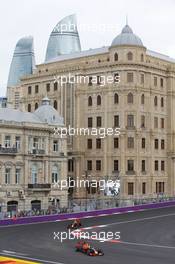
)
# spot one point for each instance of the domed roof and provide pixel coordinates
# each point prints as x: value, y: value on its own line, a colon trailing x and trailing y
x: 48, y: 114
x: 127, y: 37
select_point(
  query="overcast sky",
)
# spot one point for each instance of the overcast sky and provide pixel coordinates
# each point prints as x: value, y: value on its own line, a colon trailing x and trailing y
x: 152, y: 21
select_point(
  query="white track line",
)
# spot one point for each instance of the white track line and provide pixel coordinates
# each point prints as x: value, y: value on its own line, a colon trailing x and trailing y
x: 146, y: 245
x: 140, y: 219
x: 13, y: 252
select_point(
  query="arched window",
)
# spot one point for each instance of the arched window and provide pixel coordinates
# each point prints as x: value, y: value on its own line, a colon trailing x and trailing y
x: 90, y: 101
x: 12, y: 206
x: 130, y: 56
x: 55, y: 105
x: 142, y: 99
x: 34, y: 174
x: 116, y: 98
x: 162, y: 102
x: 98, y: 100
x: 130, y: 98
x: 29, y: 108
x: 55, y: 174
x: 142, y: 57
x: 116, y: 56
x: 36, y: 106
x: 155, y: 101
x: 36, y: 205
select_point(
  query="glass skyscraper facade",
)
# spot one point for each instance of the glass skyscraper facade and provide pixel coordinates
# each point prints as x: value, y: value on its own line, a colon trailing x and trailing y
x: 64, y: 39
x: 23, y: 62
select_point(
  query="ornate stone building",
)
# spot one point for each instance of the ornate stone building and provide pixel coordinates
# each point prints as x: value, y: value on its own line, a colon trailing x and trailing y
x: 142, y: 105
x: 32, y: 159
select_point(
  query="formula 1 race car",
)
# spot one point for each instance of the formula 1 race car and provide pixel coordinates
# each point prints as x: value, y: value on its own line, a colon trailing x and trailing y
x: 87, y: 249
x: 76, y: 224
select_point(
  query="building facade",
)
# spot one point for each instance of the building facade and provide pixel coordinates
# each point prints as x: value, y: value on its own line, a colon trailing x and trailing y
x: 32, y: 159
x: 142, y: 104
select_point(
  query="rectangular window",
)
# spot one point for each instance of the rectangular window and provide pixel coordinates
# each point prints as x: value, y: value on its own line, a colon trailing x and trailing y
x: 162, y: 165
x: 35, y: 143
x: 70, y: 165
x: 116, y: 142
x: 55, y: 146
x: 17, y: 175
x: 90, y: 122
x: 98, y: 143
x: 130, y: 77
x: 90, y: 81
x: 36, y: 89
x: 143, y: 121
x: 7, y: 142
x: 55, y: 86
x: 29, y: 89
x: 142, y: 78
x: 48, y: 87
x: 143, y: 143
x: 98, y: 80
x: 161, y: 82
x: 143, y: 187
x: 130, y: 121
x: 162, y: 123
x: 98, y: 165
x: 160, y: 187
x: 116, y: 121
x: 17, y: 142
x: 156, y: 143
x: 156, y: 165
x: 130, y: 188
x: 89, y: 165
x: 155, y: 81
x: 155, y: 122
x: 7, y: 175
x: 99, y: 121
x: 116, y: 167
x: 162, y: 144
x: 143, y: 165
x: 89, y: 143
x: 130, y: 165
x: 116, y: 78
x: 130, y: 142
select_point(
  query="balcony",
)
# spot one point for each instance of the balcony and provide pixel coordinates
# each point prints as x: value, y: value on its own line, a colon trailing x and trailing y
x: 39, y: 186
x: 8, y: 151
x: 37, y: 151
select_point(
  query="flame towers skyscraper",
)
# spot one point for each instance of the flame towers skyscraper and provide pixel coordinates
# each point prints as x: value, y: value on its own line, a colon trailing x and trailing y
x: 23, y: 62
x: 64, y: 39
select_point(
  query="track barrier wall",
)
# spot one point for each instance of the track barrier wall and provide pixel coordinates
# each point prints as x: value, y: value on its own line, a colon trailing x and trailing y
x: 67, y: 216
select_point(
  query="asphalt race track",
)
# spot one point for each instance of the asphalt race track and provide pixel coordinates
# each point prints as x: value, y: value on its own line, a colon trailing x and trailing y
x: 147, y: 237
